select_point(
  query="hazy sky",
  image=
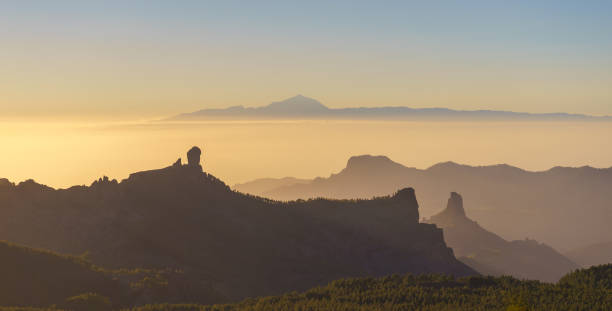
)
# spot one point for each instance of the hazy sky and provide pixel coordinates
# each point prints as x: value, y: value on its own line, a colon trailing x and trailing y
x: 153, y: 58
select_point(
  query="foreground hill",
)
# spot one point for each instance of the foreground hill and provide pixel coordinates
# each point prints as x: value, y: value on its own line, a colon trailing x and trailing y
x: 588, y: 290
x: 41, y: 278
x: 489, y: 254
x: 301, y: 107
x: 33, y: 277
x: 564, y: 207
x: 234, y: 245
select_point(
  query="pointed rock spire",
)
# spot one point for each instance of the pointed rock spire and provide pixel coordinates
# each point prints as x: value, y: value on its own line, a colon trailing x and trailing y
x: 453, y: 212
x: 455, y: 205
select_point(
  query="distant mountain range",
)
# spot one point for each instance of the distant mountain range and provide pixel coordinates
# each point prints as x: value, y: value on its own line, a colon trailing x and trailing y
x: 301, y: 107
x: 489, y: 254
x: 564, y: 207
x: 592, y: 255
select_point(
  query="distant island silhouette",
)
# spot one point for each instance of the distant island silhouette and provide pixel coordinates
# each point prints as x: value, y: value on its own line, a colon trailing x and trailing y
x: 302, y: 107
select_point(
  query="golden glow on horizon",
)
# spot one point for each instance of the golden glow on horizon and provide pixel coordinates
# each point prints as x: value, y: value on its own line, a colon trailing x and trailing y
x: 66, y: 154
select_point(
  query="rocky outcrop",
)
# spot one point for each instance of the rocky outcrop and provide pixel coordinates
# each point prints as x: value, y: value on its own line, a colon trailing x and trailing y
x: 488, y: 253
x: 408, y: 198
x: 368, y: 164
x: 178, y: 163
x: 454, y: 211
x: 192, y: 168
x: 193, y: 157
x: 455, y: 204
x: 104, y: 181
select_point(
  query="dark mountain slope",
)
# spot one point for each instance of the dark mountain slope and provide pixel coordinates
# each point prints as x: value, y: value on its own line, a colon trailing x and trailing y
x: 489, y: 254
x: 236, y: 244
x: 564, y: 207
x: 40, y: 278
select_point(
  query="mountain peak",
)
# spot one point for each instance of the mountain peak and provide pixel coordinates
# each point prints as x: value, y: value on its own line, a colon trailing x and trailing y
x: 367, y: 158
x: 369, y: 162
x: 453, y: 211
x: 191, y: 172
x: 299, y: 97
x: 6, y: 183
x: 455, y: 204
x: 444, y: 165
x: 298, y: 103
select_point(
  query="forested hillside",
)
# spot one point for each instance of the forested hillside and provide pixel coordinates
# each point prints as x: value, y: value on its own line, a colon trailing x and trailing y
x: 40, y: 278
x: 588, y: 290
x: 32, y: 277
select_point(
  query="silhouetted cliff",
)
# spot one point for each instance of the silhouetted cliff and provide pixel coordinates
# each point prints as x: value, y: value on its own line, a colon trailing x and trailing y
x: 235, y: 244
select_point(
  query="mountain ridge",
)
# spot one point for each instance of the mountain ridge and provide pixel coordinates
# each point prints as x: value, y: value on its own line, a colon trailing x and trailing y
x: 302, y: 107
x: 238, y: 245
x: 529, y: 197
x: 591, y: 255
x: 386, y: 161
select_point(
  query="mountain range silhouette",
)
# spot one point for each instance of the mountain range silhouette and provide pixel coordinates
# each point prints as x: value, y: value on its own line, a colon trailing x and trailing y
x: 567, y: 208
x: 228, y: 244
x: 302, y: 107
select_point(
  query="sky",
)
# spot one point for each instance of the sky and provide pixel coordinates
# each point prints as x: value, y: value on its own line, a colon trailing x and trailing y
x: 145, y: 59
